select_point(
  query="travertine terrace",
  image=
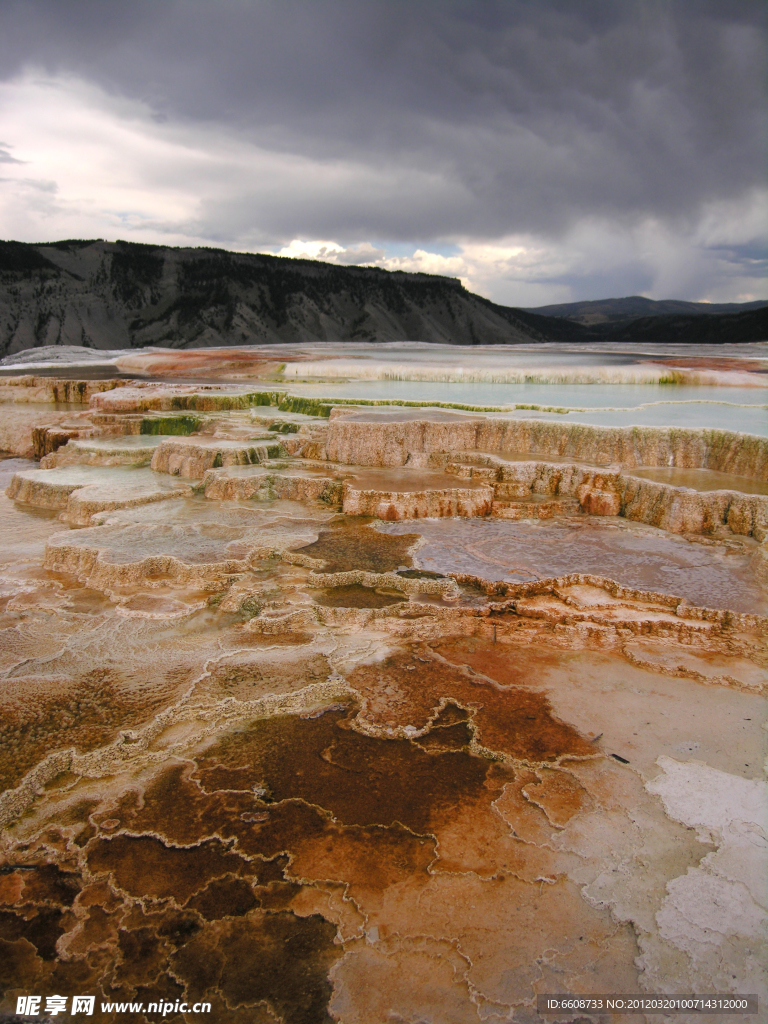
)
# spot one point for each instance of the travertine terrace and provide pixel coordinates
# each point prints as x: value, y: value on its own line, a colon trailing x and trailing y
x: 363, y: 715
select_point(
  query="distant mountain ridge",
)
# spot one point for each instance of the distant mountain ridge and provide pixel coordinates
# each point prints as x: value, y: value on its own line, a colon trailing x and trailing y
x: 119, y: 295
x: 600, y: 311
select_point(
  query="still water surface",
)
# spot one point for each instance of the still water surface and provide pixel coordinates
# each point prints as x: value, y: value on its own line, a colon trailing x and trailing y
x: 730, y: 408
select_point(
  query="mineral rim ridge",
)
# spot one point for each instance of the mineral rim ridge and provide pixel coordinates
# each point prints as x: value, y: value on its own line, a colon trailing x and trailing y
x: 363, y: 717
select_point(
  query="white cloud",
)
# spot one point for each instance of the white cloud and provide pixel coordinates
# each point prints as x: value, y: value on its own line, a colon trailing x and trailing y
x: 106, y: 170
x: 84, y: 163
x: 601, y: 259
x: 120, y: 171
x: 311, y: 250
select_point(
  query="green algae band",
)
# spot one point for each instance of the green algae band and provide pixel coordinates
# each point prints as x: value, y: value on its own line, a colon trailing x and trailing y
x: 171, y: 425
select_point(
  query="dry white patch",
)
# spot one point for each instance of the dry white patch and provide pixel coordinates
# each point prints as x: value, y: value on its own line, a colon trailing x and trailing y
x: 716, y: 913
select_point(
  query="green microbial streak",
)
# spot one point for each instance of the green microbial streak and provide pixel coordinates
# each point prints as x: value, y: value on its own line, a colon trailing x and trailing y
x: 176, y: 425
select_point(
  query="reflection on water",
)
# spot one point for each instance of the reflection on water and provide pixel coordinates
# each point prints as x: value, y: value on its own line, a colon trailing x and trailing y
x: 9, y: 465
x: 48, y: 407
x: 615, y: 405
x: 408, y: 481
x: 570, y: 396
x: 702, y: 479
x: 641, y: 557
x: 24, y: 531
x: 745, y: 419
x: 122, y: 442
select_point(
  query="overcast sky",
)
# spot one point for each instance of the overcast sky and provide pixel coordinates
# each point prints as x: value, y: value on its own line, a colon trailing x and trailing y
x: 541, y: 150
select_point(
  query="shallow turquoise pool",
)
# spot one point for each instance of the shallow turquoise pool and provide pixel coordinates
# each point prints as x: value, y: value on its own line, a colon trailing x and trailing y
x: 730, y: 408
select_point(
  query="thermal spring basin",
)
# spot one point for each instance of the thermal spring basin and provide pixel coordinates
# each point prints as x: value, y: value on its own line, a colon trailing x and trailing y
x: 258, y: 747
x: 702, y: 479
x: 705, y: 574
x: 613, y: 405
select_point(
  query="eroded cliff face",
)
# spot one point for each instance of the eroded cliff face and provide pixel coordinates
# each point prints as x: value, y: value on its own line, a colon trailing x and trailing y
x: 268, y: 745
x: 119, y: 295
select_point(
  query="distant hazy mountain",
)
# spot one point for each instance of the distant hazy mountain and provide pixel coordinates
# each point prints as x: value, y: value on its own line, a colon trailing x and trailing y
x: 715, y: 329
x: 600, y: 311
x: 110, y: 295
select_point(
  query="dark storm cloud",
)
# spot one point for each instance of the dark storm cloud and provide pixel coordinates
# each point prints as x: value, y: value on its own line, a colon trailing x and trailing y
x: 474, y: 118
